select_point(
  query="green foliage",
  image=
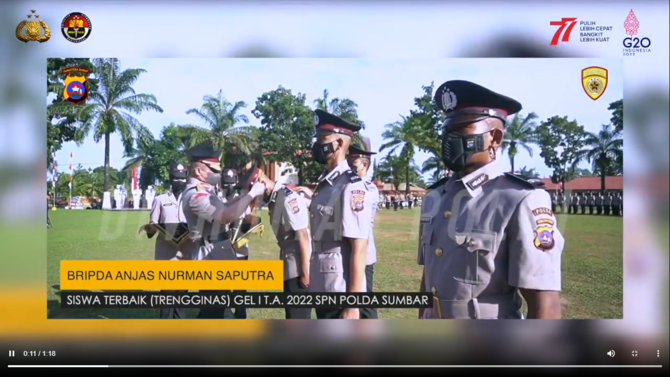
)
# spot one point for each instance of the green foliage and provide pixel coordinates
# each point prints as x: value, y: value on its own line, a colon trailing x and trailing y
x: 112, y: 110
x: 560, y: 142
x: 617, y: 115
x: 287, y: 126
x: 61, y: 121
x: 519, y: 134
x: 344, y: 108
x: 604, y: 150
x: 529, y: 173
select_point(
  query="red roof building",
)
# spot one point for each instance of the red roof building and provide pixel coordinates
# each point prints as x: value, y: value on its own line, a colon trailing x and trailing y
x: 612, y: 183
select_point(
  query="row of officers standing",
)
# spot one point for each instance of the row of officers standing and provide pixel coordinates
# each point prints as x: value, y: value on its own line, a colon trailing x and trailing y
x: 608, y: 203
x: 324, y: 235
x: 487, y: 239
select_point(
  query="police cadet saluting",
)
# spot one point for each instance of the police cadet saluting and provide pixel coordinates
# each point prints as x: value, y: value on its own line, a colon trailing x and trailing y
x: 359, y: 162
x: 289, y: 218
x: 486, y: 235
x: 207, y: 216
x: 339, y: 217
x: 166, y: 217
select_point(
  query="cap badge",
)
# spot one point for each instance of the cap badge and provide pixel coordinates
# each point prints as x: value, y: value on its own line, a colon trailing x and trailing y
x: 229, y: 173
x: 316, y: 120
x: 449, y: 101
x: 180, y: 167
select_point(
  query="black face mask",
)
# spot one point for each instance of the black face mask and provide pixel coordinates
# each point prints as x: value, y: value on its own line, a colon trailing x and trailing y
x: 178, y: 186
x: 457, y: 149
x: 321, y: 152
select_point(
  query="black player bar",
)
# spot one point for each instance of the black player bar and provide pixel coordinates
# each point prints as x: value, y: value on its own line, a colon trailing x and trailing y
x: 224, y: 299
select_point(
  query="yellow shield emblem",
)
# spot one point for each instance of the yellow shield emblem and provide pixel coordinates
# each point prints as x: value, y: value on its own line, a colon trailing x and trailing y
x: 594, y: 81
x: 76, y: 89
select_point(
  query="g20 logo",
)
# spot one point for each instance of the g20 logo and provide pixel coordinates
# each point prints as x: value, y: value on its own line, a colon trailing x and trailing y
x: 636, y: 42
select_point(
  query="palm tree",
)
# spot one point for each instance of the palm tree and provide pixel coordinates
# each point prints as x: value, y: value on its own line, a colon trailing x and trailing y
x: 520, y: 133
x: 112, y: 107
x: 529, y: 172
x: 601, y: 150
x: 401, y: 137
x: 435, y: 167
x: 341, y: 107
x: 221, y: 118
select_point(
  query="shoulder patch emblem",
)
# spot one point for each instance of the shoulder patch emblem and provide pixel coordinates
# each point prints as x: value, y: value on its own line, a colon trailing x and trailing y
x: 201, y: 187
x: 478, y: 181
x: 544, y: 237
x: 200, y: 195
x: 357, y: 200
x: 545, y: 222
x: 542, y: 211
x: 293, y: 204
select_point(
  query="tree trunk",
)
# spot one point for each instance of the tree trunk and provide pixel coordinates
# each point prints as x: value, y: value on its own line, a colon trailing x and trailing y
x: 407, y: 179
x: 107, y: 162
x: 602, y: 182
x: 300, y: 179
x: 511, y: 163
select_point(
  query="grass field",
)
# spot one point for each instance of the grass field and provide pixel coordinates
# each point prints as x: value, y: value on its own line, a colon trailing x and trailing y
x: 592, y: 259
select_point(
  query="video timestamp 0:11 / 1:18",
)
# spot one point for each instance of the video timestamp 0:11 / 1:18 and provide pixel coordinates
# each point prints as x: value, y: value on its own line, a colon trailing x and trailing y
x: 39, y: 353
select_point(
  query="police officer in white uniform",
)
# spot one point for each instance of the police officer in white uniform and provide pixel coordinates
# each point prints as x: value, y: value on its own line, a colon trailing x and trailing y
x: 166, y: 216
x: 289, y: 217
x: 486, y: 236
x: 359, y: 161
x: 339, y: 217
x: 207, y: 216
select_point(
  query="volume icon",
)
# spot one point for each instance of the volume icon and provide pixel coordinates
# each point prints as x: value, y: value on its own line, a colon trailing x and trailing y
x: 611, y: 353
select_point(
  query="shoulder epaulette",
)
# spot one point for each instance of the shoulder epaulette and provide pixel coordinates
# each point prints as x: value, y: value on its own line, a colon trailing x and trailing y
x: 438, y: 184
x: 353, y: 177
x: 531, y: 182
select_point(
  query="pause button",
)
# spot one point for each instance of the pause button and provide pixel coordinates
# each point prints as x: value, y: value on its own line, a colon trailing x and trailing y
x: 12, y: 353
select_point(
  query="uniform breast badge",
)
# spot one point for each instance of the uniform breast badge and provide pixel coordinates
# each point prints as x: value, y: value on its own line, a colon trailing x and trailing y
x: 357, y: 200
x: 33, y: 29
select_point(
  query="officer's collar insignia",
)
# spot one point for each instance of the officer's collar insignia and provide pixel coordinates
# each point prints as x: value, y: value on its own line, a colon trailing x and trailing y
x: 477, y: 181
x: 460, y: 239
x: 449, y: 100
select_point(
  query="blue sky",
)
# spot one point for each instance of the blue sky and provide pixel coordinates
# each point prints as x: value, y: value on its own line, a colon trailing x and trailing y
x: 383, y: 88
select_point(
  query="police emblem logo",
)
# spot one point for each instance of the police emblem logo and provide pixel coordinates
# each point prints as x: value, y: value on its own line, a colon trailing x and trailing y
x: 594, y: 81
x: 230, y: 173
x: 180, y: 167
x: 33, y: 30
x: 470, y: 143
x: 449, y: 100
x: 357, y: 200
x: 544, y: 237
x: 75, y: 88
x: 76, y: 27
x: 293, y: 204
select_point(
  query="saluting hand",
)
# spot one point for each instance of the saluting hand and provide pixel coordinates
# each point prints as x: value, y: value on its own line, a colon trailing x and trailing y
x: 257, y: 189
x: 351, y: 313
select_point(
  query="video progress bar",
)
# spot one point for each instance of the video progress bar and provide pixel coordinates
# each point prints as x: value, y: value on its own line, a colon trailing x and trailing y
x: 335, y: 366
